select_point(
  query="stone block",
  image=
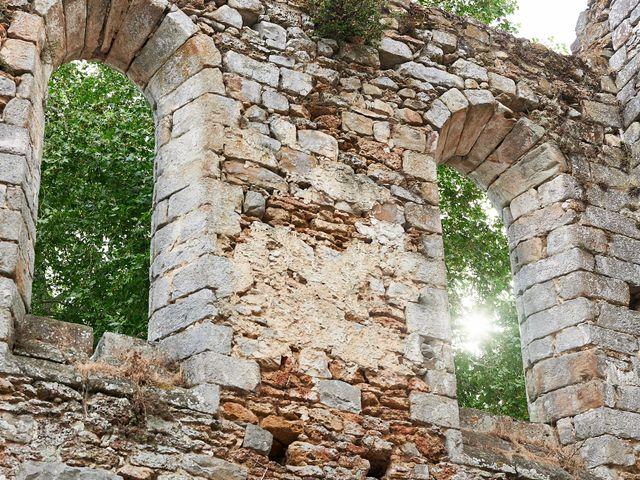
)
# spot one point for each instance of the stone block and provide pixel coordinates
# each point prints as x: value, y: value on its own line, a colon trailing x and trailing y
x: 409, y: 138
x: 209, y: 80
x: 628, y: 398
x: 274, y: 101
x: 75, y: 14
x: 555, y: 266
x: 621, y: 319
x: 607, y: 421
x: 392, y: 52
x: 184, y: 312
x: 211, y: 367
x: 273, y: 34
x: 18, y: 56
x: 612, y: 267
x: 113, y: 348
x: 557, y: 318
x: 209, y: 108
x: 27, y: 27
x: 212, y: 468
x: 97, y: 11
x: 246, y: 91
x: 438, y: 115
x: 423, y: 217
x: 197, y: 53
x: 419, y: 166
x: 53, y: 340
x: 434, y: 409
x: 569, y: 369
x: 209, y: 272
x: 227, y: 16
x: 532, y: 170
x: 441, y: 383
x: 59, y: 471
x: 319, y: 143
x: 262, y: 72
x: 204, y: 398
x: 314, y: 363
x: 451, y: 134
x: 568, y: 402
x: 607, y: 450
x: 502, y: 84
x: 428, y: 320
x: 176, y: 28
x: 431, y: 75
x: 250, y: 10
x: 53, y: 12
x: 482, y: 106
x: 601, y: 113
x: 357, y: 123
x: 576, y: 236
x: 247, y: 173
x: 257, y: 439
x: 493, y: 134
x: 467, y: 69
x: 205, y: 337
x: 340, y: 395
x: 587, y: 284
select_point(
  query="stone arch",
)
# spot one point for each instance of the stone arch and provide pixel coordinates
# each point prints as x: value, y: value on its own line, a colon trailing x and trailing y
x: 161, y: 50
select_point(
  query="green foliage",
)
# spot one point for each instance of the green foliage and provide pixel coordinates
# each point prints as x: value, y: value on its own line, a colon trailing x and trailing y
x: 477, y: 259
x: 355, y: 21
x: 92, y: 251
x: 490, y: 12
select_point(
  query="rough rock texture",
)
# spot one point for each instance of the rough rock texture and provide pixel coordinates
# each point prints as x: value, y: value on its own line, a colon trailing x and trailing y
x: 297, y: 261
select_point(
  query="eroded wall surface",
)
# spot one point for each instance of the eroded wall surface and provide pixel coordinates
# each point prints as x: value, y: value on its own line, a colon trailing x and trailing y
x: 298, y: 273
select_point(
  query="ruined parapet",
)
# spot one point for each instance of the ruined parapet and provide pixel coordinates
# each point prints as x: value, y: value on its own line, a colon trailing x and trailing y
x: 297, y: 260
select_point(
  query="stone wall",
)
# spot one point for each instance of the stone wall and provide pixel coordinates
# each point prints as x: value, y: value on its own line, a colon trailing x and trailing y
x: 297, y: 263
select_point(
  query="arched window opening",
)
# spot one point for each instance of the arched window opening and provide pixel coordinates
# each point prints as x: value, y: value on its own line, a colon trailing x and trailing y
x: 92, y: 249
x: 486, y: 332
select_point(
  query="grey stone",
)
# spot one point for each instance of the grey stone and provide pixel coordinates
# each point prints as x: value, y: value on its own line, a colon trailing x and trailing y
x: 428, y: 321
x: 257, y: 439
x: 502, y: 84
x: 438, y: 114
x: 7, y: 87
x: 340, y: 395
x: 431, y: 75
x: 173, y: 32
x: 228, y: 16
x: 273, y: 34
x: 298, y: 83
x: 482, y: 106
x: 554, y: 266
x: 606, y: 421
x: 75, y: 14
x: 248, y: 67
x: 434, y: 409
x: 211, y: 367
x: 184, y: 312
x: 275, y: 101
x: 553, y: 320
x: 448, y: 41
x: 467, y: 69
x: 607, y: 450
x: 205, y: 337
x: 393, y: 52
x: 319, y: 143
x: 606, y: 115
x: 60, y: 471
x: 55, y: 27
x: 314, y: 363
x: 212, y: 468
x: 254, y: 204
x: 250, y: 10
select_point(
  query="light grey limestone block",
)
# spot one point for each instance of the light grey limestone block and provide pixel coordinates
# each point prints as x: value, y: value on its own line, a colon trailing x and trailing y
x: 340, y: 395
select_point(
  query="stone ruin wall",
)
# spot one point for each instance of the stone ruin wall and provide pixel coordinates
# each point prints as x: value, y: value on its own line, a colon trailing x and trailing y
x: 298, y: 271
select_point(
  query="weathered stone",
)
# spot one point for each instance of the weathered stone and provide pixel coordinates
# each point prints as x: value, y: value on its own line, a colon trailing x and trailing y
x: 196, y: 54
x: 60, y: 471
x: 252, y: 174
x: 257, y: 439
x: 340, y: 395
x: 298, y: 83
x: 246, y: 66
x: 209, y: 108
x: 314, y: 363
x: 606, y: 421
x: 250, y: 10
x: 19, y: 56
x: 319, y: 143
x: 393, y: 52
x: 409, y: 138
x: 53, y: 12
x: 254, y: 204
x: 75, y: 15
x: 212, y: 468
x: 427, y: 321
x: 434, y: 409
x: 228, y: 16
x: 555, y: 319
x: 482, y: 106
x: 53, y: 340
x: 27, y: 27
x: 173, y: 32
x: 273, y: 34
x: 211, y: 367
x: 205, y: 337
x: 432, y: 75
x: 607, y: 450
x: 569, y: 369
x: 567, y: 402
x: 468, y: 69
x: 607, y: 115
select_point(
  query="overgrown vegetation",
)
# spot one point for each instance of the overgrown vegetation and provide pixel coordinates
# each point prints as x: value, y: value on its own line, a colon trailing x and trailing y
x: 489, y: 12
x: 92, y: 250
x: 355, y: 21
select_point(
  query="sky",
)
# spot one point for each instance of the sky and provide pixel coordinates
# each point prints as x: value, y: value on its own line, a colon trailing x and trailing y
x: 542, y: 19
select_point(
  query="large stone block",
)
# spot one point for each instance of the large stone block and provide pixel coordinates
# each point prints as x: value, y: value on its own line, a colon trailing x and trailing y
x: 60, y: 471
x: 340, y: 395
x: 18, y: 56
x: 482, y: 106
x: 207, y: 272
x: 212, y: 468
x: 319, y: 143
x: 27, y: 27
x: 532, y: 170
x: 392, y: 52
x: 184, y: 312
x: 606, y: 421
x: 434, y: 409
x: 173, y: 32
x: 257, y: 439
x: 262, y: 72
x: 555, y: 266
x: 209, y: 108
x: 96, y: 15
x: 587, y: 284
x: 211, y: 367
x: 53, y: 340
x: 75, y: 15
x: 206, y: 337
x: 431, y: 75
x: 141, y: 20
x: 197, y: 53
x: 53, y: 12
x: 568, y: 401
x: 607, y: 450
x: 557, y: 318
